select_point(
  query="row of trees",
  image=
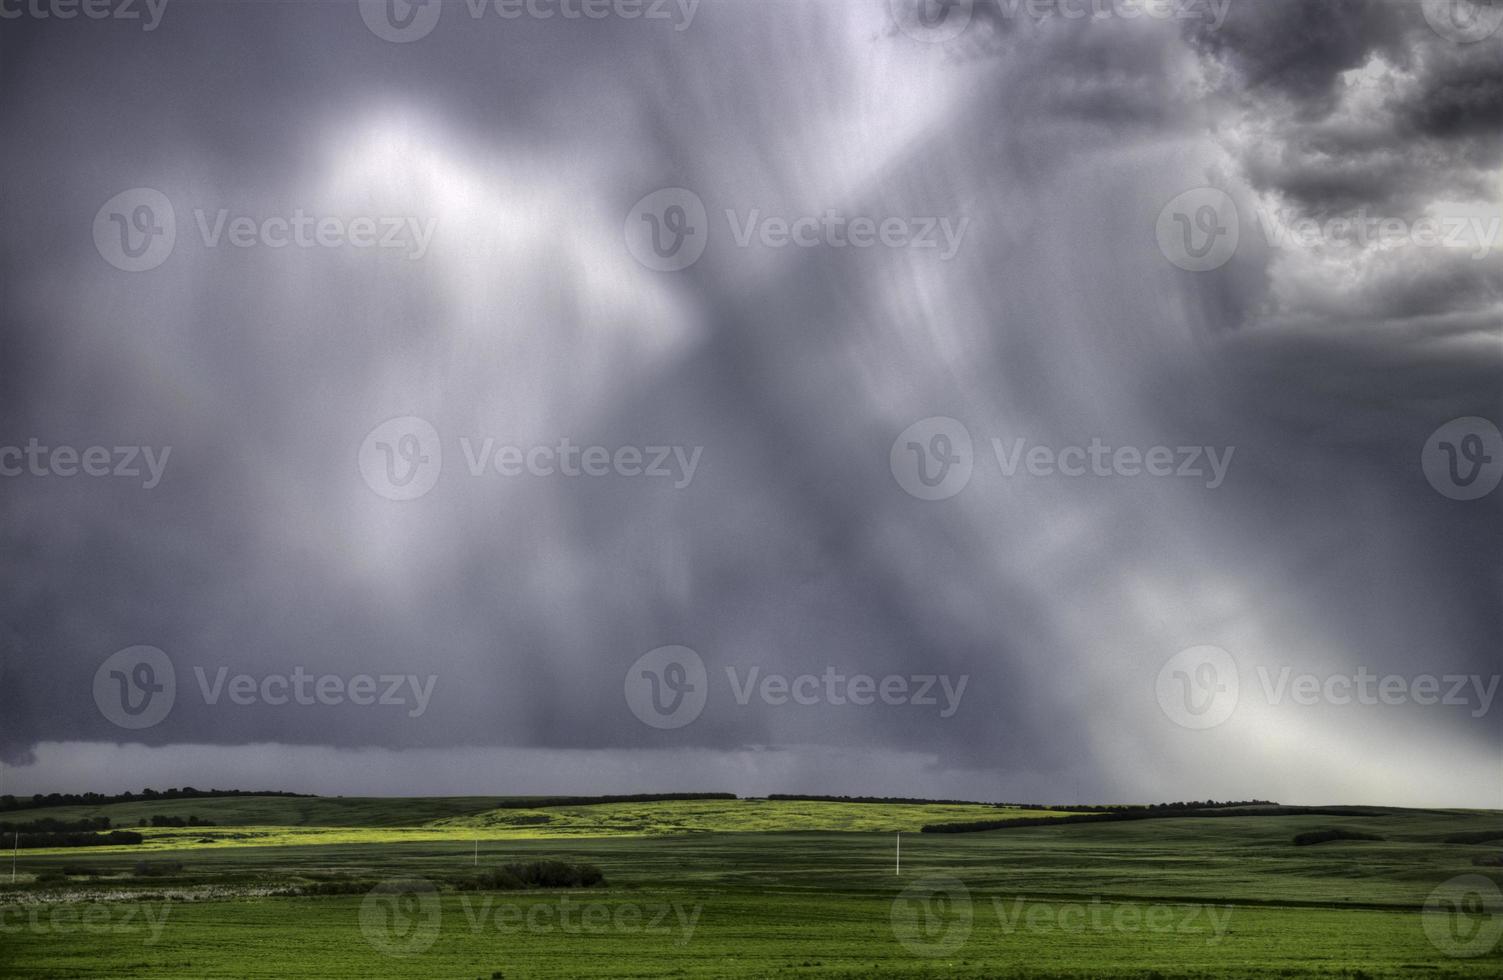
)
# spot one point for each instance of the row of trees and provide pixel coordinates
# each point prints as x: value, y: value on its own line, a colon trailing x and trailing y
x: 88, y: 825
x: 26, y: 841
x: 1101, y: 808
x: 8, y: 802
x: 1140, y: 813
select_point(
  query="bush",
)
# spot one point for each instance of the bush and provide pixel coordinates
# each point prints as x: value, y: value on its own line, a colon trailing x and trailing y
x: 534, y: 874
x: 159, y: 820
x: 156, y: 869
x: 50, y: 825
x: 347, y: 886
x: 1475, y: 837
x: 51, y: 877
x: 79, y: 839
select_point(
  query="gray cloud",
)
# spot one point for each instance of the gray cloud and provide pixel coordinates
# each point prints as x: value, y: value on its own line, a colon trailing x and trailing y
x: 793, y: 549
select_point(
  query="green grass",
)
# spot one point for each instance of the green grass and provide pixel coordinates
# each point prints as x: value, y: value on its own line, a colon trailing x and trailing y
x: 789, y: 903
x: 283, y: 821
x: 727, y: 816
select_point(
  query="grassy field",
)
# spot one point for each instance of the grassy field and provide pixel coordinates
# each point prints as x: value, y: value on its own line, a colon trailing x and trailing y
x: 1180, y: 897
x: 285, y: 821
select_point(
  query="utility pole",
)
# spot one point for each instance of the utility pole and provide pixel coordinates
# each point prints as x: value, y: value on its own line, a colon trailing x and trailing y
x: 898, y: 867
x: 477, y: 852
x: 15, y: 850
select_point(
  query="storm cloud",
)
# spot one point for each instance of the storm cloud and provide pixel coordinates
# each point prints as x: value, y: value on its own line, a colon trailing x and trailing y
x: 789, y: 546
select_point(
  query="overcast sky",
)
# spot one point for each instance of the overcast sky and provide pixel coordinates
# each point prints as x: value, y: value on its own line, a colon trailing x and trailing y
x: 1295, y: 331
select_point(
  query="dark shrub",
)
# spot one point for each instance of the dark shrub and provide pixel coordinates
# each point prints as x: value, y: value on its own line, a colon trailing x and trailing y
x: 534, y: 874
x: 156, y: 869
x: 1475, y: 837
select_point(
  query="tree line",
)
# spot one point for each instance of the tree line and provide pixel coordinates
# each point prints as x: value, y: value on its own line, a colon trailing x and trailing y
x: 39, y: 800
x: 1140, y: 813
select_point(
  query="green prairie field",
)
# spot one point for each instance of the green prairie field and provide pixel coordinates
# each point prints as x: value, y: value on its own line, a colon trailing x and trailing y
x: 756, y: 888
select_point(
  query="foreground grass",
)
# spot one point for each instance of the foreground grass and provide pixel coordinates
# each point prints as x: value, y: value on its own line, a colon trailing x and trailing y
x: 767, y: 932
x: 1181, y: 897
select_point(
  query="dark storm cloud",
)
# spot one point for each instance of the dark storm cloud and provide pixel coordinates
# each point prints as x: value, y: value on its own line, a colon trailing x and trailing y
x: 793, y: 549
x: 1297, y: 50
x: 1358, y: 103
